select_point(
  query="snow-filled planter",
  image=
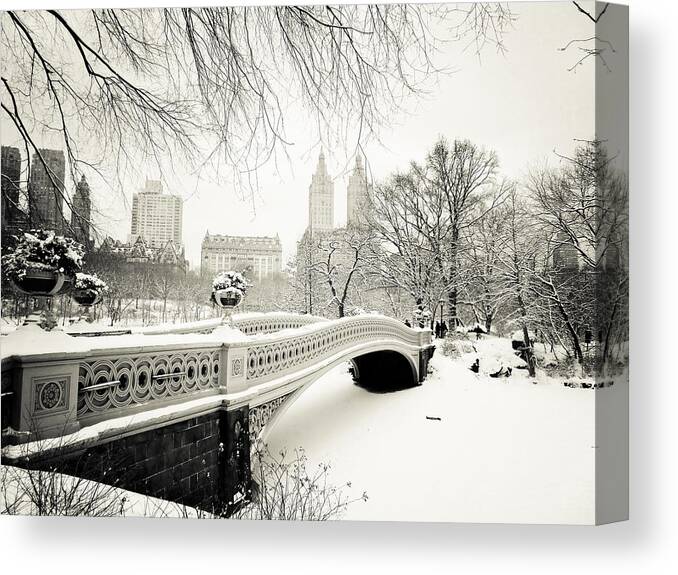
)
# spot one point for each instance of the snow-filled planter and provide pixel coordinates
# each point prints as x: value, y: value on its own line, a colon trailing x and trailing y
x: 422, y: 316
x: 229, y: 289
x: 43, y: 264
x: 88, y: 289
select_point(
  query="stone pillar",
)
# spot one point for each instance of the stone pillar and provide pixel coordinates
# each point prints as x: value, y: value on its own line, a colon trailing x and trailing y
x: 45, y: 399
x: 235, y: 459
x: 425, y: 356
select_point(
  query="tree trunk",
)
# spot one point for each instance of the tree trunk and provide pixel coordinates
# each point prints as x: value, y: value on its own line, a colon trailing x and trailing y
x: 452, y: 298
x: 529, y: 351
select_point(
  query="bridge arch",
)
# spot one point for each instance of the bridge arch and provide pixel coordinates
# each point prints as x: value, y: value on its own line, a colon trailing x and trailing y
x: 372, y: 363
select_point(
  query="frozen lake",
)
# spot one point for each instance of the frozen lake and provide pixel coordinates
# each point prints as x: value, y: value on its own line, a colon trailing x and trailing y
x: 504, y: 450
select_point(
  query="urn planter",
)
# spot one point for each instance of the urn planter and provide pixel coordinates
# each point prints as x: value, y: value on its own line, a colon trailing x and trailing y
x: 41, y: 282
x: 86, y: 297
x: 228, y: 298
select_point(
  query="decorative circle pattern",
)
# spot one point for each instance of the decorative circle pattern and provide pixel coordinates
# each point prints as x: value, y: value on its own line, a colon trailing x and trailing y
x: 144, y: 378
x: 236, y: 370
x: 260, y: 415
x: 50, y: 395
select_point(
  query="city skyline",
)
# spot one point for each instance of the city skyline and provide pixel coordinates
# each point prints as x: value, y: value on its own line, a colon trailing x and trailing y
x: 463, y: 104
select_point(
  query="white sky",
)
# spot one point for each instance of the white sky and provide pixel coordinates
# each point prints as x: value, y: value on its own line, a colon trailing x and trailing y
x: 524, y: 105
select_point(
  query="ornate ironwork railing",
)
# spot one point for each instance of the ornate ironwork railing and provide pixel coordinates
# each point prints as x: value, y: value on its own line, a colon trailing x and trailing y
x: 111, y: 382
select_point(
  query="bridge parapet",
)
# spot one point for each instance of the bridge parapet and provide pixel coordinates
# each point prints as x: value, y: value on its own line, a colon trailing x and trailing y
x: 66, y: 383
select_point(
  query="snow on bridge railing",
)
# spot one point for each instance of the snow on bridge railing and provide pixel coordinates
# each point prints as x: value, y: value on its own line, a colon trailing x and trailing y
x: 251, y: 323
x: 248, y: 323
x: 61, y: 383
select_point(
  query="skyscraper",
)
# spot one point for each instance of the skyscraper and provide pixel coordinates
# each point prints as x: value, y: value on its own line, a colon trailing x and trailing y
x: 156, y: 217
x: 81, y: 212
x: 46, y: 190
x: 321, y: 199
x: 11, y: 174
x: 358, y: 195
x: 13, y: 217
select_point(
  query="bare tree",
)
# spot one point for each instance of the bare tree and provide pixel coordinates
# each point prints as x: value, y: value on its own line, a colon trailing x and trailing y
x: 591, y: 46
x: 459, y: 178
x: 407, y: 226
x: 340, y: 261
x: 582, y: 209
x: 208, y: 87
x: 483, y: 291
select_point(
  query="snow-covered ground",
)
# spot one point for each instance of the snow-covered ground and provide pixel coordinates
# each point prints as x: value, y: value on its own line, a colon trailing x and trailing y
x: 504, y: 450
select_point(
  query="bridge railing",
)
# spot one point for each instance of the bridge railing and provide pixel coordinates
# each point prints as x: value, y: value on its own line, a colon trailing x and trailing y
x: 248, y: 323
x: 67, y: 383
x: 280, y: 354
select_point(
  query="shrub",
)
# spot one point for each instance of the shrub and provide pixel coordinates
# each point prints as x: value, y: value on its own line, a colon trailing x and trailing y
x: 289, y: 490
x: 455, y: 344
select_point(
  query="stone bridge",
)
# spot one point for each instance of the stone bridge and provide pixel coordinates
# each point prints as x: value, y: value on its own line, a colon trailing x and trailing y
x: 106, y: 389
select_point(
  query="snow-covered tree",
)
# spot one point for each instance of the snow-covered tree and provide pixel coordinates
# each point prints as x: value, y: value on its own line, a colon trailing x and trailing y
x: 582, y: 210
x: 340, y: 261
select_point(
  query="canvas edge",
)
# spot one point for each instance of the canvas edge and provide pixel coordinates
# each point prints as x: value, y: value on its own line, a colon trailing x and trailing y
x: 612, y: 406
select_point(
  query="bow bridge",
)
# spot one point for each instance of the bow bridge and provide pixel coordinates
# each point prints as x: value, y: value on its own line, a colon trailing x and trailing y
x: 209, y: 383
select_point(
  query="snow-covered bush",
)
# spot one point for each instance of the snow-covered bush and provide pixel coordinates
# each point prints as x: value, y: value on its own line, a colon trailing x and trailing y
x: 455, y: 347
x: 90, y: 282
x: 232, y: 281
x: 43, y: 250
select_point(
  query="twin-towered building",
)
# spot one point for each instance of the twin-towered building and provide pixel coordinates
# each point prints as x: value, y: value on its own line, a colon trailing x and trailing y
x: 321, y: 198
x: 260, y: 256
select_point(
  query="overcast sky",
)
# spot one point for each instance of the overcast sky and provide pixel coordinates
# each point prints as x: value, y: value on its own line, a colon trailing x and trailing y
x: 524, y: 104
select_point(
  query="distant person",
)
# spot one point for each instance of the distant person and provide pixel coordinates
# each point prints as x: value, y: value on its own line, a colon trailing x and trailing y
x: 407, y: 323
x: 475, y: 368
x: 437, y: 330
x: 443, y: 329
